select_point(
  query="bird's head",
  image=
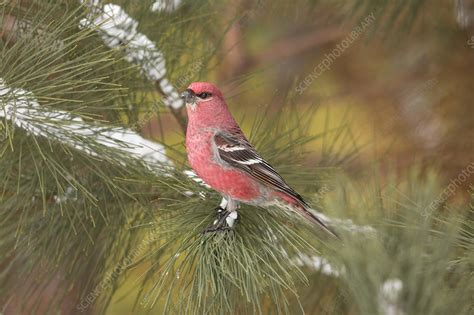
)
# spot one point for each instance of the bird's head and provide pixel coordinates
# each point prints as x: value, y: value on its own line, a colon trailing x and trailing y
x: 202, y: 96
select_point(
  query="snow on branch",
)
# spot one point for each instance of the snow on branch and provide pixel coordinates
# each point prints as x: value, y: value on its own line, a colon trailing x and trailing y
x: 118, y: 30
x: 23, y: 110
x: 318, y: 263
x: 346, y: 224
x: 165, y: 6
x: 389, y: 297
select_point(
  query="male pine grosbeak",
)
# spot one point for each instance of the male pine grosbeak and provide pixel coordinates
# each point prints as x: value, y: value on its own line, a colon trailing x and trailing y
x: 221, y: 156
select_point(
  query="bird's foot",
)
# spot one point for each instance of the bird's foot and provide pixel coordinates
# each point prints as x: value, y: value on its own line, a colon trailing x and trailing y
x: 225, y: 221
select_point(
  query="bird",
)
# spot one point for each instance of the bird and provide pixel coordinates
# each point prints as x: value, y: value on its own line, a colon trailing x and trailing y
x: 224, y: 159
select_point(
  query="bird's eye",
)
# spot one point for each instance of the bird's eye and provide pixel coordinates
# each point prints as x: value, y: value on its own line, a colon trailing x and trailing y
x: 204, y: 95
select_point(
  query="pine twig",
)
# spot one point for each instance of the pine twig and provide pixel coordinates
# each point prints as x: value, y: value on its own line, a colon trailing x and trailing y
x: 118, y: 29
x: 176, y: 112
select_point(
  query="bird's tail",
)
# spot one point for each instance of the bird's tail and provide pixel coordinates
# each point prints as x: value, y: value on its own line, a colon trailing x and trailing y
x: 299, y: 206
x: 310, y: 214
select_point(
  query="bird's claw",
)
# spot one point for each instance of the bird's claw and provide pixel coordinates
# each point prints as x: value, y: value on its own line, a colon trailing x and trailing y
x: 212, y: 229
x: 224, y: 222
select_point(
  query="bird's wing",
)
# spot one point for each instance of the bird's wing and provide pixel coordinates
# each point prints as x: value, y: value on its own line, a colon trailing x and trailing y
x: 236, y: 151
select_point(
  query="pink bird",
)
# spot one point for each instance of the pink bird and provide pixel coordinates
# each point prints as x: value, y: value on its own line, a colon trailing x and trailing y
x: 222, y: 156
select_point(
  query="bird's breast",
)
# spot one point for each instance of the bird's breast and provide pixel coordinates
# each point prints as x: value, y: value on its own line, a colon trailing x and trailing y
x: 199, y: 147
x: 228, y: 181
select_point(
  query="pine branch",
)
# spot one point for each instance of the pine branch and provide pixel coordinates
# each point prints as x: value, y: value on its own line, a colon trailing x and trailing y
x: 25, y: 112
x: 70, y: 187
x: 119, y: 30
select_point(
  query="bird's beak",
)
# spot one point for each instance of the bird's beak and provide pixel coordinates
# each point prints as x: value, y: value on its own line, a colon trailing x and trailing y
x: 189, y: 96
